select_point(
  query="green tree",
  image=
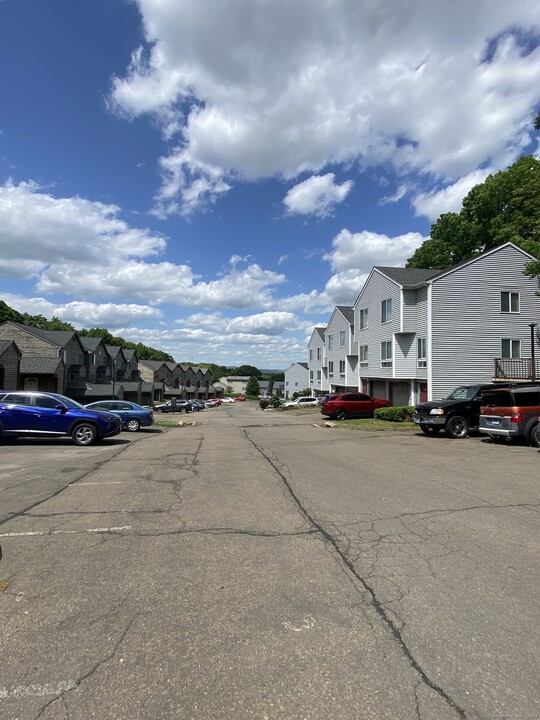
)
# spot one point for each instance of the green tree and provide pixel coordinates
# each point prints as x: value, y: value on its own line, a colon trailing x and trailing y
x: 247, y: 370
x: 506, y: 207
x: 253, y: 388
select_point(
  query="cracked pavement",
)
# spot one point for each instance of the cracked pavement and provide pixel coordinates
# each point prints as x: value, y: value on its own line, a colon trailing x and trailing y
x: 256, y: 566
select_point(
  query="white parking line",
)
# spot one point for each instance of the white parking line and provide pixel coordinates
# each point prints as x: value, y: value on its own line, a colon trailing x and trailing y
x: 37, y: 690
x: 109, y: 482
x: 65, y: 532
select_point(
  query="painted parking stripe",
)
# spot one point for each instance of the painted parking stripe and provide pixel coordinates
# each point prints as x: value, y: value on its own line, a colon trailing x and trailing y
x: 35, y: 533
x: 37, y: 690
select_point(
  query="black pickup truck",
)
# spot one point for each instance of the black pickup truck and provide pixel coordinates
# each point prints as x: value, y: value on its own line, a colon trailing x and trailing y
x: 455, y: 414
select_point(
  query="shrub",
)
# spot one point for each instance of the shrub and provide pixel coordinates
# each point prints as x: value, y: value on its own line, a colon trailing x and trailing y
x: 264, y: 403
x: 395, y: 414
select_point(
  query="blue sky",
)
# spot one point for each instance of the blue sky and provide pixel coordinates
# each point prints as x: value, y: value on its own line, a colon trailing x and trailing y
x: 212, y: 178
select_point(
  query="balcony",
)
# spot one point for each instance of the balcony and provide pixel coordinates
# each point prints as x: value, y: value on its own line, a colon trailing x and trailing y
x: 516, y: 369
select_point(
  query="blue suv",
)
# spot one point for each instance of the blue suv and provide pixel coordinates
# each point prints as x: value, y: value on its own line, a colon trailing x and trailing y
x: 25, y: 413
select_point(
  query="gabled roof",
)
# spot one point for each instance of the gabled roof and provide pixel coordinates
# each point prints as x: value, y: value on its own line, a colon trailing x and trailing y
x: 6, y: 344
x: 153, y: 364
x: 476, y: 258
x: 60, y: 338
x: 408, y: 277
x: 128, y: 353
x: 347, y: 312
x: 91, y: 343
x: 114, y: 351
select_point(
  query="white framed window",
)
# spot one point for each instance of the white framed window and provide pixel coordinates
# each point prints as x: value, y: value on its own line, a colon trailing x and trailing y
x: 318, y: 374
x: 363, y: 358
x: 510, y: 302
x: 318, y: 353
x: 386, y: 310
x: 363, y: 318
x: 421, y: 356
x: 342, y: 368
x: 330, y: 342
x: 310, y: 355
x: 311, y: 375
x: 342, y: 338
x: 510, y: 348
x: 331, y: 369
x: 386, y: 353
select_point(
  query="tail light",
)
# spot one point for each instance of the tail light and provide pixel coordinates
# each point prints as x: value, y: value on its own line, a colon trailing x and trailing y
x: 516, y: 417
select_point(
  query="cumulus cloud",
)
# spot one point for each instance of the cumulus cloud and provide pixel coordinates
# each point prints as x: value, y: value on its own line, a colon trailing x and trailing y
x: 85, y: 314
x: 318, y: 195
x: 449, y: 199
x: 78, y: 247
x: 38, y: 229
x: 360, y: 251
x: 250, y: 90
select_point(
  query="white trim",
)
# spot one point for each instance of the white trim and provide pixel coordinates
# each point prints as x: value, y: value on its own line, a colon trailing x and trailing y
x: 429, y: 340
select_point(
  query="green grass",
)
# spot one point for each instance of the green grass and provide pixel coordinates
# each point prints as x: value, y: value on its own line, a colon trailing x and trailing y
x: 374, y: 424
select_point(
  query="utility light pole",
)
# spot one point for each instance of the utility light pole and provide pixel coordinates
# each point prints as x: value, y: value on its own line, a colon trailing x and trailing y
x: 533, y: 361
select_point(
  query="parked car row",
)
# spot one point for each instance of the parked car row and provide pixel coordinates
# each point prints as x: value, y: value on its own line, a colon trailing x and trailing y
x: 507, y: 411
x: 40, y: 414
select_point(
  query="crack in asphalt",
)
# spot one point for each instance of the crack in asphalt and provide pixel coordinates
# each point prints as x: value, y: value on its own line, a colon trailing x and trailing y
x: 20, y: 513
x: 382, y: 612
x: 77, y: 683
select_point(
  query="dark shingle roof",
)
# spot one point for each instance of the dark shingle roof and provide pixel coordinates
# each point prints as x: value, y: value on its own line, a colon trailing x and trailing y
x: 90, y: 343
x: 56, y: 337
x: 408, y: 277
x: 39, y: 365
x: 347, y: 312
x: 321, y: 331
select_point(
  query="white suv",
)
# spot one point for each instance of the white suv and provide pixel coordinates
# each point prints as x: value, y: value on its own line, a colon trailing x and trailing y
x: 302, y: 402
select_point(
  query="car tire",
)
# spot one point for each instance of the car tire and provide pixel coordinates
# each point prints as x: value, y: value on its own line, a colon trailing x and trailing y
x: 457, y: 427
x: 341, y: 414
x: 133, y: 425
x: 430, y: 430
x: 535, y: 435
x: 84, y: 434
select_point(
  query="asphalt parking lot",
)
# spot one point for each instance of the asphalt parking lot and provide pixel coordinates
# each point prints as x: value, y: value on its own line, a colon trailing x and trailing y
x: 256, y: 566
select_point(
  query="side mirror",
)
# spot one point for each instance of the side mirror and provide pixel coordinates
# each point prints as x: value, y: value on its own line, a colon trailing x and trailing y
x: 62, y: 408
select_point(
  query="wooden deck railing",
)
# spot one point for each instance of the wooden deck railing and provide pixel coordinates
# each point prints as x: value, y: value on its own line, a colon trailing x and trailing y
x: 517, y: 369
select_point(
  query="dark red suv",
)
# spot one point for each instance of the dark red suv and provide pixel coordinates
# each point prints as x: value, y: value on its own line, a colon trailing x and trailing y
x: 350, y: 404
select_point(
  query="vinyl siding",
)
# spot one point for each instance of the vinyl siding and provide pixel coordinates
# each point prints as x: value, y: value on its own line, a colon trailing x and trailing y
x: 467, y: 322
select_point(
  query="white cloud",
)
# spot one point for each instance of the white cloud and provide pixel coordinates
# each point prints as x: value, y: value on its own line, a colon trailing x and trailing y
x: 318, y: 195
x: 85, y: 314
x: 360, y: 251
x: 38, y: 230
x: 252, y: 90
x: 74, y: 246
x: 449, y: 199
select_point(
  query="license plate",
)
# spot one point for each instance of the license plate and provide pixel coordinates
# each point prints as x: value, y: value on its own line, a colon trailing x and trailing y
x: 494, y: 422
x: 416, y: 420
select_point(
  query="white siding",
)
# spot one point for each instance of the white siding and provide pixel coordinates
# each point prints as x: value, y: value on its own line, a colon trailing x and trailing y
x: 296, y: 379
x: 467, y: 322
x: 338, y: 323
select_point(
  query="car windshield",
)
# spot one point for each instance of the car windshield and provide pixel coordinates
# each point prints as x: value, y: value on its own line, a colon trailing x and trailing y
x: 465, y: 392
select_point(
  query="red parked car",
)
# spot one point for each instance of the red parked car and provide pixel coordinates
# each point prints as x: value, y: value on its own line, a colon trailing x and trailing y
x: 341, y: 406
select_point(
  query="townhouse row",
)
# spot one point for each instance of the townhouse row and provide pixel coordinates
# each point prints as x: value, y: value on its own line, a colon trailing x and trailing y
x: 414, y: 335
x: 86, y: 369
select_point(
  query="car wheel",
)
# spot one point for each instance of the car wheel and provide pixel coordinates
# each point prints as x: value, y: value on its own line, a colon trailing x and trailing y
x: 535, y: 436
x: 133, y: 425
x: 341, y: 414
x: 457, y: 427
x: 84, y: 434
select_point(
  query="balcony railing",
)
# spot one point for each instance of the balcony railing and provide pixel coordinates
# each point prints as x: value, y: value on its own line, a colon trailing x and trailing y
x: 517, y: 369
